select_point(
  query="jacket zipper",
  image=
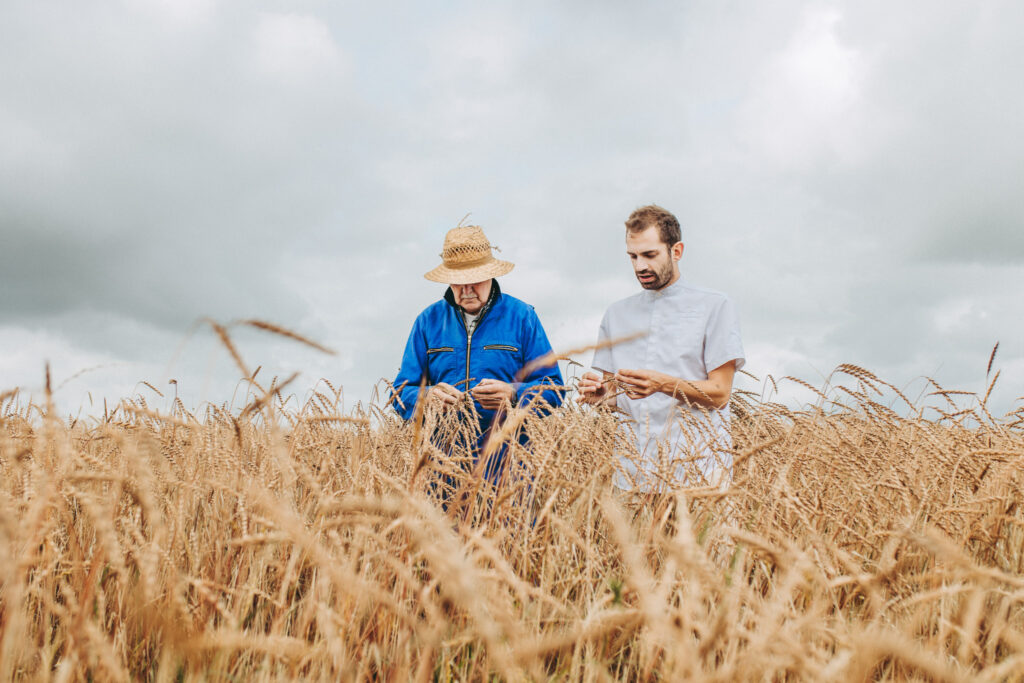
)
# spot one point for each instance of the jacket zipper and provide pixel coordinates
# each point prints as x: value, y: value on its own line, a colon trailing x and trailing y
x: 469, y: 339
x: 462, y: 319
x: 469, y: 335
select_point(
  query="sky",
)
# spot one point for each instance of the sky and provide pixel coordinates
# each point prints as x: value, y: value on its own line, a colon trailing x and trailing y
x: 847, y: 172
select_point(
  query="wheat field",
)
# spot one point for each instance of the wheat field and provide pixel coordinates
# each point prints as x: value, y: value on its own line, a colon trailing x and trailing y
x: 864, y: 537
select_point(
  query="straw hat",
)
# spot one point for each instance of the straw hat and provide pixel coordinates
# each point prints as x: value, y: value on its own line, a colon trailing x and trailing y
x: 467, y: 258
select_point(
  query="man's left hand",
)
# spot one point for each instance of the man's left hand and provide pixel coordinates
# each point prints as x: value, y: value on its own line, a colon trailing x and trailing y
x: 491, y: 393
x: 640, y: 383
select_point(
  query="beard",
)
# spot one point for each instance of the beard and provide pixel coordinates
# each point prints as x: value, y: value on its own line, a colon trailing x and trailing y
x: 662, y: 275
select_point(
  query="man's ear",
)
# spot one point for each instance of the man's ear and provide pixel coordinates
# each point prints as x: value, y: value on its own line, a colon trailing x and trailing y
x: 676, y: 251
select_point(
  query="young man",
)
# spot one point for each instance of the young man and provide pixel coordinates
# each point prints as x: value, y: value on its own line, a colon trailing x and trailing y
x: 471, y: 345
x: 674, y: 377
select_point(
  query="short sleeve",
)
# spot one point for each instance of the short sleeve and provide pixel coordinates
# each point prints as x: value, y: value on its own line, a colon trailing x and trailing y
x: 722, y: 341
x: 603, y: 355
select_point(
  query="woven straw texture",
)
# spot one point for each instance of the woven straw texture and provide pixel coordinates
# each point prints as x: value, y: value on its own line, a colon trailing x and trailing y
x: 467, y: 258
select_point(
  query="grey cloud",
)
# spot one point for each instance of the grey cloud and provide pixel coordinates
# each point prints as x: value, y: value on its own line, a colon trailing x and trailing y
x: 939, y: 319
x: 942, y: 149
x: 163, y: 171
x: 180, y: 175
x: 985, y: 235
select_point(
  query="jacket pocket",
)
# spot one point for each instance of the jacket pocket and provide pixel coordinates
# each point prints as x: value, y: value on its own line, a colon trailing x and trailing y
x: 441, y: 349
x: 501, y: 347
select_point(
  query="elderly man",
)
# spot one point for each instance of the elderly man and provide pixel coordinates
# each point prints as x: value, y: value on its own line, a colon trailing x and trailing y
x: 673, y: 376
x: 472, y: 344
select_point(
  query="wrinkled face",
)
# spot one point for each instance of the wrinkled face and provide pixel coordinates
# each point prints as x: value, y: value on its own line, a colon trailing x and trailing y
x: 472, y: 297
x: 655, y: 264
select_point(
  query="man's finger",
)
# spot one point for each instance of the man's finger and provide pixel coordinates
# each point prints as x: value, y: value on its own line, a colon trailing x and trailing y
x: 494, y: 387
x: 446, y: 393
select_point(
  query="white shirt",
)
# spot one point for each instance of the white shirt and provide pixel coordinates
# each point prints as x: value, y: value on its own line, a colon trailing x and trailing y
x: 471, y: 320
x: 688, y: 332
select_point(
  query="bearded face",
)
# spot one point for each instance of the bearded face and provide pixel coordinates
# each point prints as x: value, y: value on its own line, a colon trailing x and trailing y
x: 657, y: 272
x: 654, y: 262
x: 472, y: 297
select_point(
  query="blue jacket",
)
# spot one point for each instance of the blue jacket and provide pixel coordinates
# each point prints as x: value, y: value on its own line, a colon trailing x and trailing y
x: 508, y: 335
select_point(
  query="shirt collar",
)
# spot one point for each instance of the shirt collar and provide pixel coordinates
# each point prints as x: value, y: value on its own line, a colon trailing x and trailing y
x: 673, y: 289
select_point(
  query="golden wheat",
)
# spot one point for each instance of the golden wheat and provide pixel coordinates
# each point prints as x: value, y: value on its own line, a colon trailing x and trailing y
x: 855, y: 542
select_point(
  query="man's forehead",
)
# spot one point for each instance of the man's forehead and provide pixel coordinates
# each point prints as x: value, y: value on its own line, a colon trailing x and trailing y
x: 646, y: 240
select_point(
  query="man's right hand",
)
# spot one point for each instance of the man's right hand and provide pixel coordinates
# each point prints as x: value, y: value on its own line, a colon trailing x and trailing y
x: 444, y: 395
x: 592, y: 388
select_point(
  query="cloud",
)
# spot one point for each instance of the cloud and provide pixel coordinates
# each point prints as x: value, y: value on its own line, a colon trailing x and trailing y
x: 26, y: 148
x: 981, y: 233
x: 807, y: 104
x: 162, y: 184
x: 178, y: 13
x: 294, y: 46
x: 845, y: 171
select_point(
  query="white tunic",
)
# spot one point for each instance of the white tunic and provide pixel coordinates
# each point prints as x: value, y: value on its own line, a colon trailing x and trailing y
x: 688, y: 331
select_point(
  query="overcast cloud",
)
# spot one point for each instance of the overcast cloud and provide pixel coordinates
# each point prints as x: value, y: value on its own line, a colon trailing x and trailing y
x: 849, y: 172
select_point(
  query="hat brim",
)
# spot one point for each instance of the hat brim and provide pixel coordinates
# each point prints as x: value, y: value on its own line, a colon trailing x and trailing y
x: 467, y: 276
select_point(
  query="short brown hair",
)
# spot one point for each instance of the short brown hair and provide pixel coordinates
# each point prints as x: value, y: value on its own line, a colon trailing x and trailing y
x: 652, y: 214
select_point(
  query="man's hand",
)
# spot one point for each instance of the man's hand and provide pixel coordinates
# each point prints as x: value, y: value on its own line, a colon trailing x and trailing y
x: 640, y: 383
x: 713, y: 392
x: 491, y: 393
x: 444, y: 395
x: 593, y: 388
